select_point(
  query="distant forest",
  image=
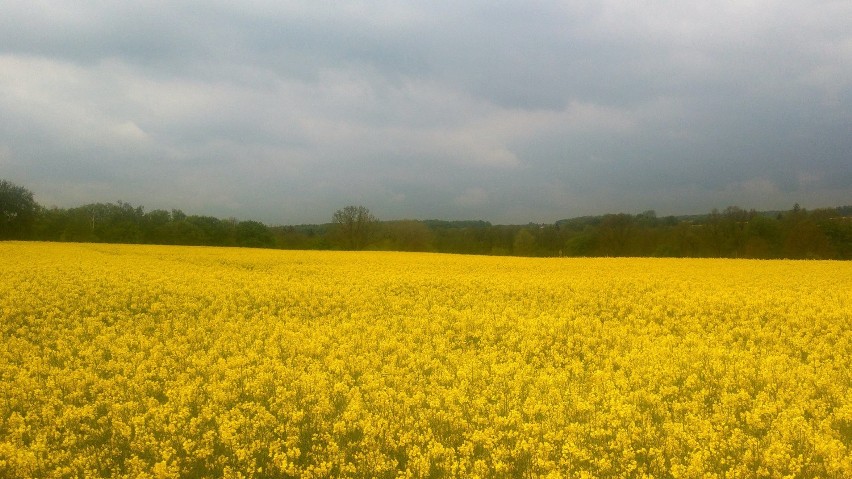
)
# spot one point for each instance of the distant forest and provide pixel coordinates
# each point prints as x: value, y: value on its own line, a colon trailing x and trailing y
x: 734, y: 232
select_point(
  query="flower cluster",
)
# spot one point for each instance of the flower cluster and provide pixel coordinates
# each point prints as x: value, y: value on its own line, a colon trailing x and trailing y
x: 148, y: 361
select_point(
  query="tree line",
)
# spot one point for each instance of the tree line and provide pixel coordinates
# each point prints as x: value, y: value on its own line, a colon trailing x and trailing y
x: 732, y: 233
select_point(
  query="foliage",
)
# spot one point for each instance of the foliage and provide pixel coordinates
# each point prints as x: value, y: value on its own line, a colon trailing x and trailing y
x: 524, y: 243
x: 164, y: 361
x: 354, y: 226
x: 404, y: 235
x: 18, y: 211
x: 122, y: 223
x: 732, y: 233
x: 254, y: 234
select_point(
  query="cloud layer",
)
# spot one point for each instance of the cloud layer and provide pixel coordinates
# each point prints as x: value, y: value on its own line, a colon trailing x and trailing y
x: 509, y: 111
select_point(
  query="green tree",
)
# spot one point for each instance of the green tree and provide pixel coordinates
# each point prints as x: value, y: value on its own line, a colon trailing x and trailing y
x: 353, y: 226
x: 804, y: 239
x: 763, y: 237
x: 583, y: 243
x: 51, y: 224
x: 214, y: 231
x: 408, y: 235
x: 254, y: 234
x: 838, y: 229
x: 614, y: 233
x: 713, y: 234
x: 523, y: 243
x: 18, y: 211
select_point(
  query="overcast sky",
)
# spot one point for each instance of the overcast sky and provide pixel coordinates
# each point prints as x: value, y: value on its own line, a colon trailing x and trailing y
x: 508, y: 111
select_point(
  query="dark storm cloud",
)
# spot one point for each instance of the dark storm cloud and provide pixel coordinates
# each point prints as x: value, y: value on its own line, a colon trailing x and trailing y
x: 506, y: 111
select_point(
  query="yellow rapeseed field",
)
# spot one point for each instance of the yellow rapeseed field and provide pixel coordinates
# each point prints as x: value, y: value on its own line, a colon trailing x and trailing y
x: 150, y: 361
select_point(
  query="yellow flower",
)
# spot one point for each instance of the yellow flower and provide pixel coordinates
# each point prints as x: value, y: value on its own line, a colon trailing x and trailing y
x: 149, y: 361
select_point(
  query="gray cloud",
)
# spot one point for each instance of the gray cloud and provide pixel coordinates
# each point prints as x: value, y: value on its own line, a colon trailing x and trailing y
x: 509, y: 111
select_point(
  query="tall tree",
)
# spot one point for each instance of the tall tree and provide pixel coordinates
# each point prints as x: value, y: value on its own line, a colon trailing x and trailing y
x: 524, y: 243
x: 354, y: 225
x: 615, y: 233
x: 407, y: 235
x: 254, y: 234
x: 18, y: 211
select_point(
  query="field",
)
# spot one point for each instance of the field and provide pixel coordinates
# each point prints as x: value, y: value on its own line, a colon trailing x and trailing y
x: 146, y: 361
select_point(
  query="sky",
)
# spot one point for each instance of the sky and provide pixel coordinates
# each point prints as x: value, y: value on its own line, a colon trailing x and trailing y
x: 509, y: 111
